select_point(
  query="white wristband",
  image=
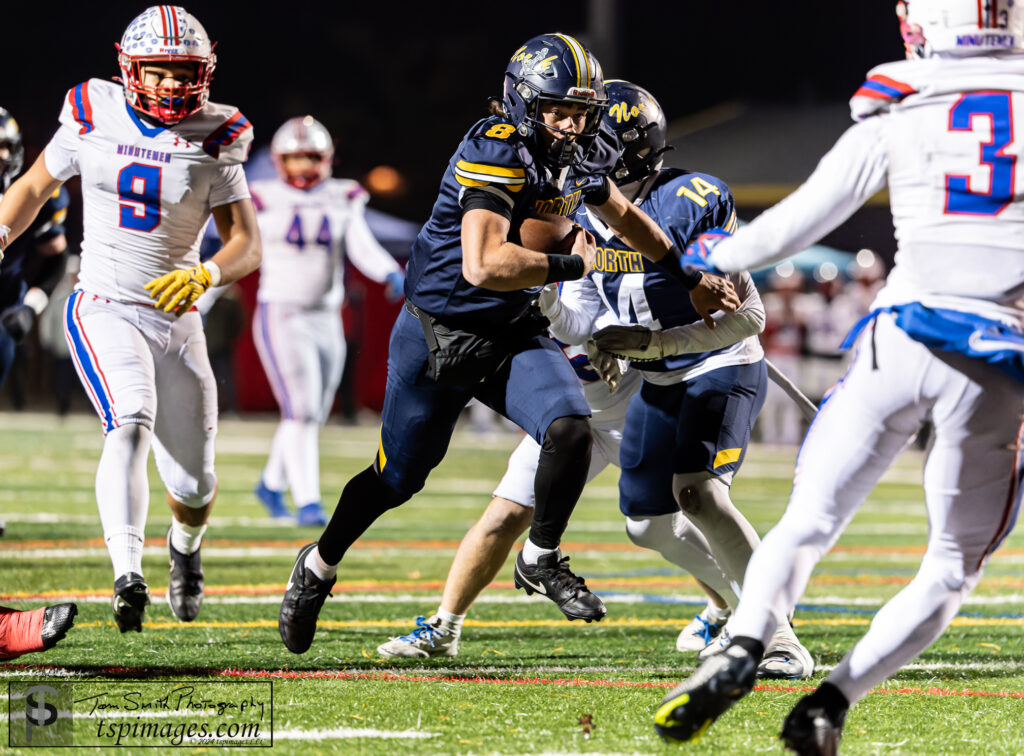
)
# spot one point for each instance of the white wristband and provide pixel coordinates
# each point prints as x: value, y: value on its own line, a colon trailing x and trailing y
x: 214, y: 270
x: 37, y: 299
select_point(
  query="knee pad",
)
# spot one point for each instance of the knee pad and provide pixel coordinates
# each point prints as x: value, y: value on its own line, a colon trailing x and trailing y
x: 568, y: 435
x: 195, y: 494
x: 694, y: 491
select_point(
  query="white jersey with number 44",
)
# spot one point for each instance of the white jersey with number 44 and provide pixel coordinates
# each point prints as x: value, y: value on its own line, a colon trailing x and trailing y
x: 947, y: 135
x: 147, y: 190
x: 307, y: 234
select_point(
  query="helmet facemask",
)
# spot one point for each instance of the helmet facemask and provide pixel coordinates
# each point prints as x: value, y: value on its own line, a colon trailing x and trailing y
x: 12, y: 151
x: 573, y: 147
x: 168, y: 105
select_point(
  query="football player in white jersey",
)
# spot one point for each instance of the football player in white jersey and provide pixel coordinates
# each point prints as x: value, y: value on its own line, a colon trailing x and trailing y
x: 310, y: 224
x: 945, y: 340
x: 155, y: 159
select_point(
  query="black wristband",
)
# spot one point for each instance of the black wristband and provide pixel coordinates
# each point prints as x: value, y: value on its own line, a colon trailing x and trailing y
x: 564, y: 268
x: 687, y: 275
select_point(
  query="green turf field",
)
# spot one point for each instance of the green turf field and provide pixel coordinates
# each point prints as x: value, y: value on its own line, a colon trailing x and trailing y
x: 524, y: 680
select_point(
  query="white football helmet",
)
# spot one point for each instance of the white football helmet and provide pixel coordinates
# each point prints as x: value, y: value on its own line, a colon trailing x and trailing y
x: 164, y: 34
x: 961, y: 27
x: 303, y: 135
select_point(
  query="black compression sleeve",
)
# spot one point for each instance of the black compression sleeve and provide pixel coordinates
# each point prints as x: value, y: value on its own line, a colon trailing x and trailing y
x: 564, y: 268
x: 477, y: 199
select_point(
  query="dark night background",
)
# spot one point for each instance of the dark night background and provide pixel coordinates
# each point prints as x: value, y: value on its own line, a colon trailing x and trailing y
x: 399, y: 83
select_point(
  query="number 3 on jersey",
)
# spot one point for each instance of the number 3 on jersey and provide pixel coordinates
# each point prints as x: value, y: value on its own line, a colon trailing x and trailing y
x: 138, y: 188
x: 960, y: 198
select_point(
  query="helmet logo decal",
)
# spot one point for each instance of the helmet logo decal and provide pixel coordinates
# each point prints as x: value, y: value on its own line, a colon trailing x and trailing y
x: 537, y: 63
x: 622, y: 111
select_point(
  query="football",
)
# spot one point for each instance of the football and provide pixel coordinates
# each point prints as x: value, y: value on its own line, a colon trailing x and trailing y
x: 551, y: 234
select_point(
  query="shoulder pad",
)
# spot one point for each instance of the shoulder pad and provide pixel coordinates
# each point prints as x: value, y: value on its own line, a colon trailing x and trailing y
x: 226, y: 134
x: 486, y: 157
x: 883, y: 87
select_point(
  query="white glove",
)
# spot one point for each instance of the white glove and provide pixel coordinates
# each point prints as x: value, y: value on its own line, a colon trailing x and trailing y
x: 548, y: 302
x: 634, y: 343
x: 606, y: 365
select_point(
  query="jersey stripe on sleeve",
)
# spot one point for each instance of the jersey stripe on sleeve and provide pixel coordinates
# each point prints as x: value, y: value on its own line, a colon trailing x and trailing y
x: 81, y: 108
x: 225, y: 134
x: 481, y: 174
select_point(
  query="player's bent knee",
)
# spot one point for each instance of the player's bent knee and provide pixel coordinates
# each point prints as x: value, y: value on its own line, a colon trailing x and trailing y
x: 372, y: 487
x: 568, y: 435
x: 696, y: 492
x: 197, y: 495
x: 504, y: 517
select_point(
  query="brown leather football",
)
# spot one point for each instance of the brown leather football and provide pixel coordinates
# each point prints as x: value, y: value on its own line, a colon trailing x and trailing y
x: 551, y: 234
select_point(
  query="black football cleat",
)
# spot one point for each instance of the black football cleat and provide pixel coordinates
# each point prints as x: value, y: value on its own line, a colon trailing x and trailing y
x: 131, y: 597
x: 551, y: 577
x: 57, y: 620
x: 688, y: 711
x: 300, y: 607
x: 813, y: 727
x: 185, y: 583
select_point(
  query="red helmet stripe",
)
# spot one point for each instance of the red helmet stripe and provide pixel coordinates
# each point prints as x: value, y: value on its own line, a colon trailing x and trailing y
x: 174, y: 18
x: 980, y: 21
x: 163, y: 19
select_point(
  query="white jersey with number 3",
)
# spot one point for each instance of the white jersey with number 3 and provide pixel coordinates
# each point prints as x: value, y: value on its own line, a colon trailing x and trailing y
x: 147, y: 190
x: 308, y: 234
x: 948, y: 137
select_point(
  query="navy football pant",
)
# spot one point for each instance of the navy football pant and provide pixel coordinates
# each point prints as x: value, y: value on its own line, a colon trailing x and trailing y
x: 536, y: 387
x: 700, y: 425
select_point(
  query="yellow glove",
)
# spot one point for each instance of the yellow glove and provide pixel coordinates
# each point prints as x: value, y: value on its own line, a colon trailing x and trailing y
x: 179, y: 290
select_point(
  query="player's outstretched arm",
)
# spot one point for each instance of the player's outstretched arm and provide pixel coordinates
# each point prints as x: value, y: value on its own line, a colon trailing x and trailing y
x: 640, y: 344
x: 22, y: 202
x: 490, y: 261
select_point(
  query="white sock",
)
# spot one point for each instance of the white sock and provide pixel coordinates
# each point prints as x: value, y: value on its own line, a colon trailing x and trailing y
x: 320, y: 568
x: 532, y: 552
x: 300, y: 455
x: 716, y: 615
x: 274, y: 474
x: 122, y: 494
x: 186, y: 539
x: 451, y: 622
x: 125, y: 548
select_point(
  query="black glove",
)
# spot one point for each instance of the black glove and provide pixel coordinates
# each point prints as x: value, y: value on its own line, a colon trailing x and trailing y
x: 17, y: 321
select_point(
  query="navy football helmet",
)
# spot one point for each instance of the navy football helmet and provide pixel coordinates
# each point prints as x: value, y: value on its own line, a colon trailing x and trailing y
x: 554, y: 67
x: 639, y: 122
x: 12, y: 151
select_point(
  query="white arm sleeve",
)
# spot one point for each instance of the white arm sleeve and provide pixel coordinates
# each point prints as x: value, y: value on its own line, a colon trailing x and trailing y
x: 732, y: 327
x: 574, y: 312
x: 229, y: 186
x: 847, y: 176
x: 365, y: 252
x: 61, y: 154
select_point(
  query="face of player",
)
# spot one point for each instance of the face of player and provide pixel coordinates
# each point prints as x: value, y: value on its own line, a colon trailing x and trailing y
x: 168, y: 75
x: 305, y: 169
x: 570, y: 117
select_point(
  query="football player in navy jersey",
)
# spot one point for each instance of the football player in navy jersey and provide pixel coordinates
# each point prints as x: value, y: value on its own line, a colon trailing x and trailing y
x: 34, y: 263
x: 467, y: 329
x: 702, y: 387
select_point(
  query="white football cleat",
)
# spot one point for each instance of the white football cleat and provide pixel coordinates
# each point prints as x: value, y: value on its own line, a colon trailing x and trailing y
x: 716, y: 645
x: 700, y: 632
x: 430, y: 638
x: 785, y: 657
